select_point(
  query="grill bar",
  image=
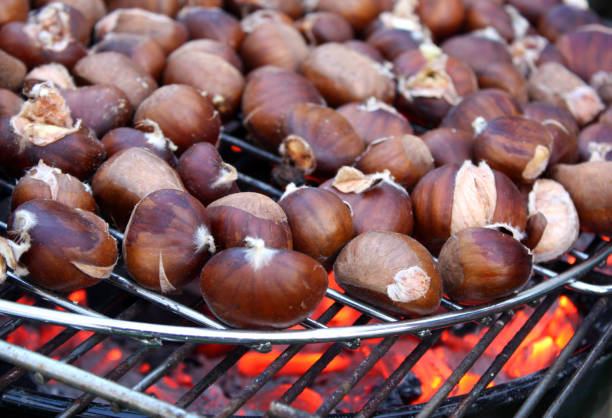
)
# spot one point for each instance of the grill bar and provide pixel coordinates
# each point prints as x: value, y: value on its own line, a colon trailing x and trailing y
x: 560, y: 362
x: 164, y: 368
x: 505, y: 355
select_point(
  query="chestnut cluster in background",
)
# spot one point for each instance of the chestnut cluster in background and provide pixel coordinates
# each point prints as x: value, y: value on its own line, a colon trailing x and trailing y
x: 426, y: 148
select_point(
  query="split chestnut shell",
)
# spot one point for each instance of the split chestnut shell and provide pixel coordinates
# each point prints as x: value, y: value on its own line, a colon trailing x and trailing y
x: 390, y: 270
x: 261, y: 287
x: 167, y: 240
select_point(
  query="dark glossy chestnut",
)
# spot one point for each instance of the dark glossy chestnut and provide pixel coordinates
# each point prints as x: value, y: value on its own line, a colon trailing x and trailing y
x: 442, y: 17
x: 595, y: 142
x: 212, y: 23
x: 321, y: 27
x: 276, y: 44
x: 12, y: 71
x: 449, y: 145
x: 477, y: 51
x: 564, y: 18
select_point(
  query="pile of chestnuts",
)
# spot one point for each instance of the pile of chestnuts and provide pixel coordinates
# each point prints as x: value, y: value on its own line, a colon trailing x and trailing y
x: 427, y: 148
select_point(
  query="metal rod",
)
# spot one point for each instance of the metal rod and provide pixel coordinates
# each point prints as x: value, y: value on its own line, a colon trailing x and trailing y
x: 359, y: 306
x: 121, y: 369
x: 10, y: 326
x: 88, y: 382
x: 258, y: 184
x: 465, y: 365
x: 569, y: 349
x: 346, y: 386
x: 504, y: 356
x: 600, y: 346
x: 218, y: 371
x: 250, y: 148
x: 398, y: 374
x: 170, y: 363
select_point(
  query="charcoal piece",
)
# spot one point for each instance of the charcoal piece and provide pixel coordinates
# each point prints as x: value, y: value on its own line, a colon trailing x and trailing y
x: 407, y: 391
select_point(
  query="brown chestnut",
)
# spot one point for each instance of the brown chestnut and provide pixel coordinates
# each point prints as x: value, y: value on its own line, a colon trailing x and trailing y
x: 442, y: 17
x: 595, y: 142
x: 476, y: 51
x: 276, y: 44
x: 127, y: 177
x: 12, y: 71
x: 392, y: 42
x: 167, y: 240
x: 458, y: 196
x: 144, y: 51
x: 168, y: 33
x: 293, y: 9
x: 449, y: 146
x: 212, y: 23
x: 564, y: 18
x: 390, y: 270
x: 374, y: 119
x: 357, y: 12
x: 320, y: 221
x: 270, y: 93
x: 481, y: 264
x: 553, y: 83
x: 210, y: 46
x: 516, y: 146
x: 54, y: 72
x: 150, y: 137
x: 326, y: 66
x: 589, y: 186
x: 482, y: 14
x: 260, y: 17
x: 606, y: 117
x: 365, y: 49
x: 61, y: 248
x: 204, y: 173
x: 93, y: 10
x: 332, y: 139
x: 14, y: 10
x: 377, y: 203
x: 405, y: 156
x: 321, y: 27
x: 184, y: 115
x: 561, y: 228
x: 481, y: 106
x: 505, y: 77
x: 44, y: 129
x: 239, y: 215
x: 166, y: 7
x: 531, y: 51
x: 10, y: 103
x: 262, y: 287
x: 533, y: 9
x: 119, y: 71
x: 45, y: 182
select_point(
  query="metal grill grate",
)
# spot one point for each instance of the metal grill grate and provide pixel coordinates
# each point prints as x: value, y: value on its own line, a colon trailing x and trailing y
x: 131, y: 299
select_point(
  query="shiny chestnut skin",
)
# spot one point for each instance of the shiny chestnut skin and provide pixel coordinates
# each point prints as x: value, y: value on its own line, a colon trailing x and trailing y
x: 357, y: 12
x: 588, y: 184
x: 392, y: 42
x: 213, y: 47
x: 44, y: 129
x: 482, y: 14
x: 390, y: 270
x: 122, y: 138
x: 564, y: 18
x: 100, y: 107
x: 448, y: 145
x: 458, y: 196
x: 595, y: 142
x: 487, y: 104
x: 325, y: 68
x: 321, y: 27
x: 293, y: 9
x: 364, y: 49
x: 442, y: 17
x: 14, y: 10
x: 10, y: 103
x: 482, y: 264
x: 167, y: 240
x: 562, y: 127
x: 516, y: 146
x: 212, y: 23
x: 12, y: 71
x: 374, y: 119
x: 166, y: 7
x: 183, y: 115
x: 116, y: 70
x: 505, y: 77
x: 142, y: 50
x: 320, y: 222
x: 407, y: 158
x: 45, y: 182
x: 270, y: 93
x: 376, y: 201
x: 478, y: 52
x: 69, y: 248
x: 586, y: 51
x: 262, y: 287
x: 276, y: 44
x: 239, y: 215
x: 127, y: 177
x: 205, y: 175
x: 331, y: 137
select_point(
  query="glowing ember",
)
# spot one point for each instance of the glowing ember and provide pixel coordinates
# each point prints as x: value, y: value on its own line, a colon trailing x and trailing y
x: 251, y: 364
x: 308, y: 400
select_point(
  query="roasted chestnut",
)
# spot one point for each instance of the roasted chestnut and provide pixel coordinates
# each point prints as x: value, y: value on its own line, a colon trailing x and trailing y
x: 561, y: 228
x: 477, y: 51
x: 54, y: 72
x: 276, y: 44
x: 449, y: 146
x: 442, y: 17
x: 167, y: 240
x: 127, y: 177
x: 564, y: 18
x: 44, y: 129
x: 12, y: 71
x: 482, y: 14
x: 45, y: 182
x: 458, y: 196
x: 481, y: 264
x: 320, y: 221
x: 390, y: 270
x: 392, y: 42
x: 516, y: 146
x: 10, y: 103
x: 377, y: 203
x: 589, y: 186
x: 14, y: 10
x: 205, y: 175
x: 183, y: 115
x: 595, y: 142
x: 166, y: 7
x: 262, y: 287
x: 61, y: 248
x: 357, y: 12
x: 239, y: 215
x: 505, y: 77
x: 321, y: 27
x: 212, y: 23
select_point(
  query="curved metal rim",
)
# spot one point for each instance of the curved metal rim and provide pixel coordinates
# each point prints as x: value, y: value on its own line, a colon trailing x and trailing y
x: 231, y: 336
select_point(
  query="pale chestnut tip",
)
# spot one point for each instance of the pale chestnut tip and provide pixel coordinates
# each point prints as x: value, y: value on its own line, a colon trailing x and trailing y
x: 409, y: 284
x: 258, y: 255
x: 203, y: 239
x: 156, y: 138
